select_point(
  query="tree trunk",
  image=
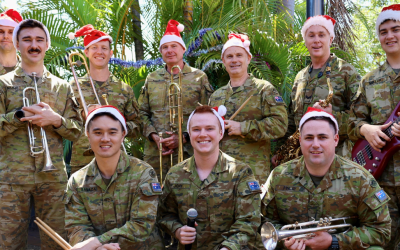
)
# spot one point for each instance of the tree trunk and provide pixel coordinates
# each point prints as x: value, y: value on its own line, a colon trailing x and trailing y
x: 287, y: 7
x: 137, y: 28
x: 188, y: 15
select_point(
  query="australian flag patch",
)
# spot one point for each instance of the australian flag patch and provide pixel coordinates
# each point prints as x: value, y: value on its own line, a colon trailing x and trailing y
x: 278, y: 99
x: 254, y: 186
x: 156, y: 187
x: 381, y: 195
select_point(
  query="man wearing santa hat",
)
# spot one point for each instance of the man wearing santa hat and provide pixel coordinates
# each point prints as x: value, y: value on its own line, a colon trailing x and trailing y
x: 310, y: 85
x: 109, y: 89
x: 375, y: 101
x: 153, y: 100
x: 21, y: 175
x: 263, y: 118
x: 321, y: 184
x: 9, y: 60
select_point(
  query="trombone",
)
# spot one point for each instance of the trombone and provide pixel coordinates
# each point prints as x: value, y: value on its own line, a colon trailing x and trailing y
x: 36, y: 150
x: 270, y: 236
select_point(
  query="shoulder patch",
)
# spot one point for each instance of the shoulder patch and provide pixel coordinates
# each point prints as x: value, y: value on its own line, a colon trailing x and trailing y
x: 156, y: 187
x: 152, y: 173
x: 278, y: 99
x: 373, y: 183
x: 253, y: 185
x: 381, y: 195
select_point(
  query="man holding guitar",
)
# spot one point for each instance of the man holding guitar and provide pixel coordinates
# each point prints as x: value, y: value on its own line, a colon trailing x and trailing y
x: 371, y: 114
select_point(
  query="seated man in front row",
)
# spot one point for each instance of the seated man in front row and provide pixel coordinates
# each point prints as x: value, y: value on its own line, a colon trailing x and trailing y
x: 321, y: 184
x: 112, y: 202
x: 222, y: 190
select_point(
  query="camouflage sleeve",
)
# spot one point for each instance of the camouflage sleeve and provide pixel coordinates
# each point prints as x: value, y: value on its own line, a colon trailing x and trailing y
x: 206, y: 90
x: 374, y: 218
x: 168, y: 210
x: 247, y: 213
x: 143, y: 213
x: 131, y: 113
x: 145, y: 112
x: 77, y: 221
x: 359, y: 114
x: 71, y: 126
x: 8, y: 122
x: 275, y: 120
x: 352, y: 85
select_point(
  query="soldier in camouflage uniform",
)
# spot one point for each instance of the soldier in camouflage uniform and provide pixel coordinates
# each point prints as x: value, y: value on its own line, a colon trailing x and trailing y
x: 21, y: 175
x: 153, y: 101
x: 322, y: 184
x: 9, y: 60
x: 310, y: 85
x: 113, y: 200
x: 375, y: 101
x: 222, y: 190
x: 263, y: 118
x: 117, y: 93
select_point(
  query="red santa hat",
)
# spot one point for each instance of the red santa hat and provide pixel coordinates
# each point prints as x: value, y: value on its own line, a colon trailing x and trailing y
x: 106, y: 109
x: 313, y: 112
x: 238, y: 40
x: 92, y: 36
x: 219, y: 112
x: 10, y: 18
x: 172, y: 34
x: 322, y: 20
x: 391, y: 12
x: 46, y: 31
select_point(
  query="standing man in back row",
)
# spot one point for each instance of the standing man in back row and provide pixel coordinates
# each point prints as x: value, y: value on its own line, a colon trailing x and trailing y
x: 153, y: 100
x: 8, y: 54
x: 109, y: 89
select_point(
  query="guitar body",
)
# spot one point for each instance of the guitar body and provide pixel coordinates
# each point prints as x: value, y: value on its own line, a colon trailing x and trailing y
x: 375, y: 162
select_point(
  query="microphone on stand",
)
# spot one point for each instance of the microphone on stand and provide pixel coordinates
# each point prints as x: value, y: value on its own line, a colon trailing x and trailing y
x: 191, y: 219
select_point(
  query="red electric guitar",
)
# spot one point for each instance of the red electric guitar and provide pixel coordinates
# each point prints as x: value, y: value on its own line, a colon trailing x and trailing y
x: 372, y: 160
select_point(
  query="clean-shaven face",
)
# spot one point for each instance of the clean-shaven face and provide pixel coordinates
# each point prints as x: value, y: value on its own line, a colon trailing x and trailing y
x: 99, y: 54
x: 318, y: 41
x: 172, y: 53
x: 6, y: 42
x: 205, y: 133
x: 389, y: 37
x: 236, y: 61
x: 32, y: 45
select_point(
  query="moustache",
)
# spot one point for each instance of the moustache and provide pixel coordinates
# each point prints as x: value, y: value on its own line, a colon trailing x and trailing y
x: 34, y: 50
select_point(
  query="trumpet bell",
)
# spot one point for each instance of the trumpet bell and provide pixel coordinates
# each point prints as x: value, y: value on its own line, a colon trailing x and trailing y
x: 269, y: 236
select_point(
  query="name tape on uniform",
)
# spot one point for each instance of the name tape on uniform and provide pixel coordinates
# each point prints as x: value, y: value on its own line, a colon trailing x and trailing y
x: 381, y: 195
x: 254, y: 186
x: 156, y: 187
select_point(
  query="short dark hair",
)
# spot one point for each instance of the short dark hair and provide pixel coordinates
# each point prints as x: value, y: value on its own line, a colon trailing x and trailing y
x: 104, y: 114
x: 321, y: 118
x: 30, y: 23
x: 387, y: 20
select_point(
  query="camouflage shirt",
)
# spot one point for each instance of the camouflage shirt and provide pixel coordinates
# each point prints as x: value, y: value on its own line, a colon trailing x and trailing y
x: 4, y: 71
x: 227, y: 202
x: 346, y: 190
x: 118, y: 94
x: 153, y: 100
x: 16, y: 164
x: 123, y: 212
x: 263, y: 118
x: 378, y: 95
x: 307, y: 91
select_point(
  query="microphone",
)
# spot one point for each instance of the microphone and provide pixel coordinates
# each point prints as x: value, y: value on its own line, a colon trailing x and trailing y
x: 191, y: 219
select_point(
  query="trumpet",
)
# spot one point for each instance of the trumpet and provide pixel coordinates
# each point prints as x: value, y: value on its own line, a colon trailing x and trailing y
x: 36, y: 150
x: 270, y: 236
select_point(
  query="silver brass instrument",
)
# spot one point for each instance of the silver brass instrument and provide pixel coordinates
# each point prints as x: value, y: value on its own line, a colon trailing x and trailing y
x: 270, y: 236
x: 44, y: 148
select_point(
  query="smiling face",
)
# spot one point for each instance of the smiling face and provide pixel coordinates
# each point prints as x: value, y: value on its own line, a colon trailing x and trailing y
x: 236, y: 61
x: 172, y: 53
x: 389, y: 36
x: 32, y: 44
x: 105, y: 136
x: 99, y: 54
x: 6, y: 34
x: 318, y: 141
x: 318, y: 41
x: 205, y: 133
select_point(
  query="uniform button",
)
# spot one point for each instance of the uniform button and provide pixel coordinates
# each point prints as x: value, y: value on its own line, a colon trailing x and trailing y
x: 35, y: 130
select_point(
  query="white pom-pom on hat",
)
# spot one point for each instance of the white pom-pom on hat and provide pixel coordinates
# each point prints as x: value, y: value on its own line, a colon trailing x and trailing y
x: 222, y: 110
x: 246, y: 43
x: 71, y: 36
x: 181, y: 27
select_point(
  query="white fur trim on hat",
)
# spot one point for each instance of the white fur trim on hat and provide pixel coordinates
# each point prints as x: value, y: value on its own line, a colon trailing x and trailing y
x: 221, y: 112
x: 171, y: 38
x: 313, y: 112
x: 98, y: 40
x: 107, y: 109
x: 385, y: 15
x: 44, y: 27
x: 321, y: 21
x: 234, y: 42
x: 8, y: 22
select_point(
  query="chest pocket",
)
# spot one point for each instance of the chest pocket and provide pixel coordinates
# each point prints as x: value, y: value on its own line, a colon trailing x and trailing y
x: 157, y: 90
x: 379, y: 99
x: 190, y: 96
x: 221, y: 207
x: 14, y: 97
x: 293, y: 202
